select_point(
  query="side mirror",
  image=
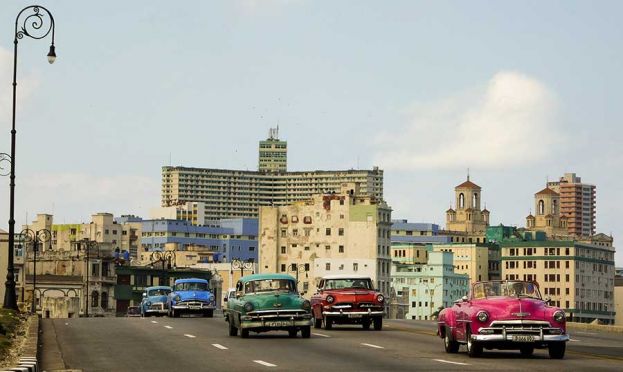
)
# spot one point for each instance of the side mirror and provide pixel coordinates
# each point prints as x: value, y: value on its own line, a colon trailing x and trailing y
x: 548, y: 300
x: 464, y: 299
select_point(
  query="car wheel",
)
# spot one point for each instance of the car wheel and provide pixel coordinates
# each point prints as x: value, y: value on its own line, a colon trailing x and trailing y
x: 327, y: 322
x: 378, y: 323
x: 450, y: 345
x: 306, y: 332
x: 292, y: 333
x: 244, y: 333
x: 557, y: 350
x: 474, y: 349
x: 176, y: 314
x: 208, y: 314
x: 365, y: 323
x: 527, y: 350
x: 233, y: 331
x: 317, y: 323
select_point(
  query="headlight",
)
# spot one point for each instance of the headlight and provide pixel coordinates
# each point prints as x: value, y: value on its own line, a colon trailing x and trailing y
x: 330, y: 299
x: 248, y: 306
x: 211, y: 298
x: 559, y: 316
x: 306, y: 305
x: 482, y: 316
x: 177, y: 298
x: 148, y: 303
x: 380, y: 298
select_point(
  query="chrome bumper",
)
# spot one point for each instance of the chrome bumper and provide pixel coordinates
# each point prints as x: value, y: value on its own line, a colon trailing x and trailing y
x: 203, y: 306
x: 277, y: 324
x: 351, y: 313
x: 507, y: 337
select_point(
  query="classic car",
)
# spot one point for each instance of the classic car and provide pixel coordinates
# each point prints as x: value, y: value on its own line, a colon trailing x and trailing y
x: 190, y: 296
x: 231, y: 292
x: 267, y: 302
x: 506, y: 315
x: 347, y: 299
x: 155, y: 301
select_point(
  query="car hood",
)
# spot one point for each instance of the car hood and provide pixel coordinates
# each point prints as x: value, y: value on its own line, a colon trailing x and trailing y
x: 512, y: 308
x: 274, y: 301
x: 193, y: 295
x: 351, y: 295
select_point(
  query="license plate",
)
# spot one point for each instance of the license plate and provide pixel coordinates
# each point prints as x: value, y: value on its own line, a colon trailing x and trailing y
x: 277, y: 324
x: 523, y: 338
x: 354, y: 316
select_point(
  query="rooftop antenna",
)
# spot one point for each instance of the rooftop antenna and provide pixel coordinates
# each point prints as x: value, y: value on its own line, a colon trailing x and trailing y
x: 468, y: 174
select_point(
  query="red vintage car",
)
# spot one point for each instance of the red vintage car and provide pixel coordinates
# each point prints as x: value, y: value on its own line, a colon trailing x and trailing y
x: 347, y: 299
x: 503, y: 314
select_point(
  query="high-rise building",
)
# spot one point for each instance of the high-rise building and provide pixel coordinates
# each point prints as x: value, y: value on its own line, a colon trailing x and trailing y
x: 273, y: 153
x: 577, y: 204
x: 347, y: 232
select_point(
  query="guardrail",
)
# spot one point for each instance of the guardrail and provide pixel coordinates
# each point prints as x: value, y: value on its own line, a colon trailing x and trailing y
x: 594, y: 327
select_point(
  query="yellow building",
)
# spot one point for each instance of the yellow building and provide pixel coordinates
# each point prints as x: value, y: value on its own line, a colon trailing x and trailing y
x: 467, y: 223
x: 339, y: 233
x: 548, y: 218
x: 576, y: 275
x: 470, y: 259
x: 409, y: 253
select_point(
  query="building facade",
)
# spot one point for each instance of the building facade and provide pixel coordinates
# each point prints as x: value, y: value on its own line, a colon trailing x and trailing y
x: 548, y: 218
x: 273, y: 153
x: 467, y: 223
x: 577, y: 204
x: 338, y: 233
x: 193, y: 212
x: 469, y: 259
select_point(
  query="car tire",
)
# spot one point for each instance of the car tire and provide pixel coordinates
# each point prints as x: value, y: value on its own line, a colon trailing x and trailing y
x: 365, y: 323
x: 327, y: 322
x: 474, y: 349
x: 449, y: 343
x: 292, y: 333
x: 306, y: 332
x: 175, y: 314
x: 557, y: 350
x: 208, y: 314
x: 378, y: 323
x: 244, y: 333
x: 317, y: 323
x: 527, y: 350
x: 233, y: 331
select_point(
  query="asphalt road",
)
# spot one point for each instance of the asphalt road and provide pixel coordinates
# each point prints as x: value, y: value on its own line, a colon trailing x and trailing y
x: 201, y: 344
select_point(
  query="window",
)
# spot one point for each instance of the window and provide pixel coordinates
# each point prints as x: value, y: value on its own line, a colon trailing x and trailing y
x: 94, y: 299
x: 328, y: 231
x: 105, y: 300
x: 340, y: 232
x: 328, y: 266
x: 341, y: 249
x: 327, y: 247
x: 355, y: 266
x: 283, y: 250
x: 283, y: 267
x: 295, y: 232
x: 284, y: 233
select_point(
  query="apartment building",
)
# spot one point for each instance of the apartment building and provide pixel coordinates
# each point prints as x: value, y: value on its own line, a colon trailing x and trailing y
x: 194, y: 212
x: 578, y: 275
x: 273, y: 153
x: 345, y: 232
x: 422, y: 290
x: 577, y: 204
x: 469, y: 259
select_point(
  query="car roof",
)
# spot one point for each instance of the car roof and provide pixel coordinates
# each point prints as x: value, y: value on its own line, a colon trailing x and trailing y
x: 345, y: 276
x: 191, y: 280
x: 158, y: 287
x: 266, y: 276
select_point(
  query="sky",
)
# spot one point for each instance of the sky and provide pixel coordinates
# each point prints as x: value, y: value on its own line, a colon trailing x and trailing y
x: 517, y: 92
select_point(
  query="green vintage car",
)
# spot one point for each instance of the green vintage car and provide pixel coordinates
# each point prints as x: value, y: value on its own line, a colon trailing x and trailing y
x: 268, y: 302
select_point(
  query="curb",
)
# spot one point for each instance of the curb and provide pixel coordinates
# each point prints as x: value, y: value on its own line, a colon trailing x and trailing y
x: 594, y: 327
x: 29, y: 361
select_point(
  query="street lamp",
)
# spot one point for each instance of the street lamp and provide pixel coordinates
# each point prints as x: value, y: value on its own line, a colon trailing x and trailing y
x: 166, y: 256
x: 294, y: 268
x: 35, y: 238
x: 237, y: 263
x: 88, y: 244
x: 32, y: 27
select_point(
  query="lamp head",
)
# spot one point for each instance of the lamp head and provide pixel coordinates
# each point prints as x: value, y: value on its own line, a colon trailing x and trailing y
x: 52, y: 54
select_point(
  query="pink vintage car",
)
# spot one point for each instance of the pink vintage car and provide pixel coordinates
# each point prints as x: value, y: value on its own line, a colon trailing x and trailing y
x: 503, y: 314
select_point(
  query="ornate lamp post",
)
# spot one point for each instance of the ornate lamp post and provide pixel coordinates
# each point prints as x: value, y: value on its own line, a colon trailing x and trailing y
x: 294, y: 268
x: 237, y: 263
x: 35, y: 238
x: 166, y: 256
x: 34, y: 18
x: 87, y: 245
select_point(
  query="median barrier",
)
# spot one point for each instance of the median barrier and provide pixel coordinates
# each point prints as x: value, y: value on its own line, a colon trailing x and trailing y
x: 593, y: 327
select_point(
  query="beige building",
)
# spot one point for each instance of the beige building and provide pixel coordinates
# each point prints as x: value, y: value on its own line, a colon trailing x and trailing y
x: 273, y: 153
x: 577, y: 203
x: 193, y: 212
x: 339, y: 233
x: 409, y: 253
x: 618, y: 299
x: 577, y: 275
x: 470, y: 259
x: 548, y: 218
x: 468, y: 222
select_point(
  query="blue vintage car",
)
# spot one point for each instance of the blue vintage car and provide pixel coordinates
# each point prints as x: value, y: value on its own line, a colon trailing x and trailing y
x: 191, y: 296
x: 155, y: 301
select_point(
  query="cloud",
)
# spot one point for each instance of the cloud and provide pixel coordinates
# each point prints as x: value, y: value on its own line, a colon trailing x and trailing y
x: 74, y: 197
x: 509, y: 121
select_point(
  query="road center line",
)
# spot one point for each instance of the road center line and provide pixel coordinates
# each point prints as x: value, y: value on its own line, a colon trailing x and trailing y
x: 447, y: 361
x: 219, y: 346
x: 574, y: 340
x: 265, y: 363
x: 374, y: 346
x: 168, y: 327
x: 153, y: 321
x: 320, y: 334
x: 190, y: 336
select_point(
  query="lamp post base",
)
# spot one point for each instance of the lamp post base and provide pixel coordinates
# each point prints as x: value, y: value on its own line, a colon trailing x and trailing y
x: 10, y: 300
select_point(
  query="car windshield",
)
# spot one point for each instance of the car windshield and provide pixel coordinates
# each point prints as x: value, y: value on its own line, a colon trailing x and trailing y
x: 269, y: 285
x: 505, y: 289
x: 191, y: 286
x: 158, y: 292
x: 347, y: 283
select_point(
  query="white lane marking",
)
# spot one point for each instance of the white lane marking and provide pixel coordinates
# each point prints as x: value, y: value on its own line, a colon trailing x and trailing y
x: 153, y: 321
x: 374, y: 346
x: 66, y: 323
x: 219, y: 346
x: 190, y: 336
x: 265, y: 363
x: 574, y: 340
x: 320, y: 334
x: 447, y: 361
x: 168, y: 327
x: 586, y: 333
